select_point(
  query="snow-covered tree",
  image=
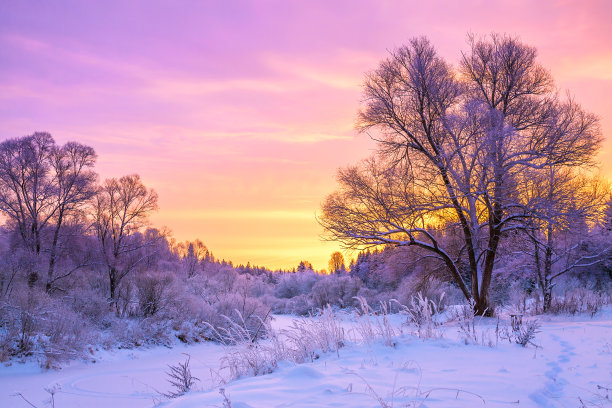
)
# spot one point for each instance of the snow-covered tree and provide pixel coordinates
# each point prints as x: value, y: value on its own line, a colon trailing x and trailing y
x: 44, y: 185
x: 566, y: 206
x: 121, y: 209
x: 453, y: 148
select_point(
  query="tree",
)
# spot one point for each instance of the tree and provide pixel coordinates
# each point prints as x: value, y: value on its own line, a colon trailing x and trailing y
x: 42, y: 185
x: 453, y: 146
x: 304, y: 266
x: 607, y: 220
x: 565, y: 205
x: 26, y: 191
x: 336, y: 263
x: 121, y: 209
x: 74, y: 185
x: 192, y: 255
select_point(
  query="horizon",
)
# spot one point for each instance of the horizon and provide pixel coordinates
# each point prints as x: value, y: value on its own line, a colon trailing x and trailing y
x: 239, y: 113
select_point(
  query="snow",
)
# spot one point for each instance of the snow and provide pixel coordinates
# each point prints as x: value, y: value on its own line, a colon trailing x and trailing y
x: 574, y: 357
x: 123, y: 378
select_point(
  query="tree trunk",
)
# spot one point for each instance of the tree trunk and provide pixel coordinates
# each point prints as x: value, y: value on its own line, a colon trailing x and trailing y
x: 547, y: 287
x: 112, y: 276
x: 53, y: 255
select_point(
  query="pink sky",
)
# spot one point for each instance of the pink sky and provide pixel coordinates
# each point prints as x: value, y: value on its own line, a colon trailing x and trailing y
x: 239, y: 112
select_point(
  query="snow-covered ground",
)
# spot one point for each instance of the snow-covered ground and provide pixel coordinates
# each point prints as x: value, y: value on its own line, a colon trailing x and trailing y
x: 571, y: 368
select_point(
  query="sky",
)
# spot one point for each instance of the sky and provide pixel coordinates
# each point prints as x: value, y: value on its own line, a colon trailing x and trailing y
x: 239, y: 113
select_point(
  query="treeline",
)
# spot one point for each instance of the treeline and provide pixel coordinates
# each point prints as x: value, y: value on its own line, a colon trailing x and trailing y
x: 81, y: 267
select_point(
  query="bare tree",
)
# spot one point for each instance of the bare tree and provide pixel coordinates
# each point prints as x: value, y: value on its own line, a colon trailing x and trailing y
x: 26, y: 191
x: 566, y: 206
x: 192, y: 255
x: 42, y: 185
x: 336, y: 263
x: 74, y: 181
x: 454, y: 146
x: 121, y: 209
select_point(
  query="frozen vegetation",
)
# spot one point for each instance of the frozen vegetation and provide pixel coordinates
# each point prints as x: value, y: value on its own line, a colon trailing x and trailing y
x: 349, y: 359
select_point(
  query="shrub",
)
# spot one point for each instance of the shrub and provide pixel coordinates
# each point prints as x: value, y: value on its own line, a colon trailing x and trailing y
x: 151, y: 289
x: 336, y: 291
x: 373, y: 326
x: 294, y: 284
x: 579, y: 300
x: 181, y: 379
x: 421, y: 311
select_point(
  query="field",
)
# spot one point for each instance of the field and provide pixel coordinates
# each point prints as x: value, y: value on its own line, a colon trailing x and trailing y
x: 569, y: 364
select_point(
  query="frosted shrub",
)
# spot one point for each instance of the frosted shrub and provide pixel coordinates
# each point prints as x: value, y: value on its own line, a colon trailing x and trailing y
x: 335, y: 290
x: 372, y: 296
x: 190, y: 332
x: 26, y: 314
x: 421, y: 312
x: 38, y: 325
x: 373, y: 326
x: 90, y: 304
x: 526, y: 333
x: 300, y: 305
x: 155, y: 330
x: 134, y: 332
x: 520, y: 300
x: 430, y: 288
x: 307, y: 338
x: 294, y: 284
x: 181, y: 379
x: 125, y: 303
x: 468, y: 329
x: 245, y: 356
x: 66, y: 335
x: 152, y: 289
x: 579, y: 300
x: 252, y: 359
x: 232, y: 308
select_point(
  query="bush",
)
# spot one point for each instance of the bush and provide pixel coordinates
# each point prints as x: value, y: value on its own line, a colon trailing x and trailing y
x: 335, y: 291
x: 421, y: 313
x: 234, y: 309
x: 432, y: 289
x: 294, y: 284
x: 41, y: 326
x: 152, y: 289
x: 579, y: 300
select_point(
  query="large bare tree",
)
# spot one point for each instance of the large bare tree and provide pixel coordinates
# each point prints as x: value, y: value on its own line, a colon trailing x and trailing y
x: 453, y: 147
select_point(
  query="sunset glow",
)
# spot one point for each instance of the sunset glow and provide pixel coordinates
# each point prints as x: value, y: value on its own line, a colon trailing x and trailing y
x: 238, y: 113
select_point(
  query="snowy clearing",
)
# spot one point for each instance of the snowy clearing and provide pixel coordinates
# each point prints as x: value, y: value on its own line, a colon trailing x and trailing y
x: 572, y: 367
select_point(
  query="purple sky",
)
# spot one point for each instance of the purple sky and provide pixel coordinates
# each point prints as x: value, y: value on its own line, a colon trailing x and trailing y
x: 239, y: 113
